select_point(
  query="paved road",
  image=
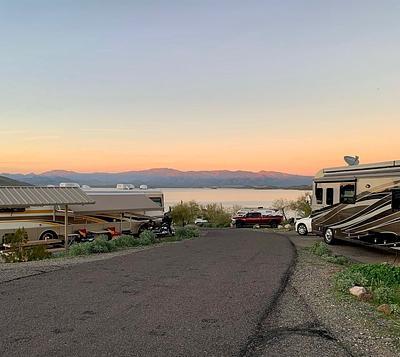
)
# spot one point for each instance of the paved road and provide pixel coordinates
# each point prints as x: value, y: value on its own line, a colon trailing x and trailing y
x: 193, y: 298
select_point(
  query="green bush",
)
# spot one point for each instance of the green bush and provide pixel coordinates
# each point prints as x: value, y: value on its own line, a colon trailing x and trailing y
x: 347, y: 279
x: 126, y: 241
x: 102, y: 245
x: 186, y: 232
x: 320, y: 249
x: 19, y: 253
x: 79, y: 249
x: 147, y: 238
x: 216, y: 215
x: 383, y: 280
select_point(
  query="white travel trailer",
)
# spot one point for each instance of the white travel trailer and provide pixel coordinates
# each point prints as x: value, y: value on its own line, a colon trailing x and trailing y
x: 359, y: 202
x: 115, y: 210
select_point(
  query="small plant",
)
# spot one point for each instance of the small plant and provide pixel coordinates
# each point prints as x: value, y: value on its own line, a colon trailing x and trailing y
x: 320, y: 249
x: 79, y: 249
x: 382, y: 280
x: 20, y: 253
x: 147, y: 238
x: 126, y: 241
x: 102, y: 245
x: 187, y: 232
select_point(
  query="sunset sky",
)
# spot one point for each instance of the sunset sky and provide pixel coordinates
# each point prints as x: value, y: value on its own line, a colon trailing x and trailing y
x: 118, y: 85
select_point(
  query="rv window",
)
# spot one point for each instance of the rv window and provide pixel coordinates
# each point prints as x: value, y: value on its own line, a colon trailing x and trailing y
x: 157, y: 200
x: 318, y: 195
x: 329, y: 196
x: 396, y: 199
x: 348, y: 193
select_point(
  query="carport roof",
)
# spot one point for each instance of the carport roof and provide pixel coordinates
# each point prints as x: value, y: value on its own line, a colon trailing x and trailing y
x: 28, y: 196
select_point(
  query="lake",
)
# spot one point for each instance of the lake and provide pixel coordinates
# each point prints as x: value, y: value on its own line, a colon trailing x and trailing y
x: 228, y: 196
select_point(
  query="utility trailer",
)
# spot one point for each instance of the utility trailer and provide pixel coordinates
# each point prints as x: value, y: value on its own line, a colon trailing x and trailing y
x: 360, y: 202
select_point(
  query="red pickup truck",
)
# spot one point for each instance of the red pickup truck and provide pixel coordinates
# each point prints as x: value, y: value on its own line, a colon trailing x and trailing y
x: 251, y: 219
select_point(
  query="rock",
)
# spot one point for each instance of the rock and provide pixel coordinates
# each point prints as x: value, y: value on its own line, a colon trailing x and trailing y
x: 256, y: 226
x: 287, y: 226
x: 385, y: 308
x: 357, y: 290
x: 280, y: 226
x: 365, y: 297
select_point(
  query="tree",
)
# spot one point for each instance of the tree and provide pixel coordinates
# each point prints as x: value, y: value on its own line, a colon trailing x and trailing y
x: 216, y: 215
x: 282, y: 205
x: 302, y: 205
x: 185, y: 212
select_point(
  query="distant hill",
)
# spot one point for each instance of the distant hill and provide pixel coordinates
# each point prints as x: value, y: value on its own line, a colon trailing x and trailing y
x: 165, y: 177
x: 5, y: 181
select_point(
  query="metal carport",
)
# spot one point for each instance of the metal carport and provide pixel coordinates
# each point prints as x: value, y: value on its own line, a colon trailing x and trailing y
x: 31, y: 196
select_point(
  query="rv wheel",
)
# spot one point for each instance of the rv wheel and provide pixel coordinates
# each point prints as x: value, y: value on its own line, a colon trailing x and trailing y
x: 302, y: 229
x: 329, y: 236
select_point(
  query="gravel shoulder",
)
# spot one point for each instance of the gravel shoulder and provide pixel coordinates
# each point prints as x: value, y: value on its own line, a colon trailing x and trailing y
x: 312, y: 318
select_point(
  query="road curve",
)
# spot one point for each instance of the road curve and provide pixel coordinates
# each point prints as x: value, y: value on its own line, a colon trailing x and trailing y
x: 198, y: 297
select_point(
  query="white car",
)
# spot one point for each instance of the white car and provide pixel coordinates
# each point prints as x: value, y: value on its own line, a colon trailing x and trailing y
x: 303, y: 226
x: 200, y: 221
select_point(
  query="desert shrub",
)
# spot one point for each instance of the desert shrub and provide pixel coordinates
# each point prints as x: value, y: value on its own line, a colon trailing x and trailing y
x: 102, y: 245
x: 216, y: 215
x: 185, y: 213
x: 19, y: 253
x: 383, y: 294
x: 79, y: 249
x: 126, y: 241
x: 337, y: 259
x: 186, y: 232
x: 346, y: 279
x: 378, y: 274
x: 383, y: 280
x: 320, y: 249
x: 302, y: 205
x: 147, y: 238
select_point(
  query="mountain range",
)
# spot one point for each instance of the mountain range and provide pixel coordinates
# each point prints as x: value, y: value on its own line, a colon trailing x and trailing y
x: 165, y: 177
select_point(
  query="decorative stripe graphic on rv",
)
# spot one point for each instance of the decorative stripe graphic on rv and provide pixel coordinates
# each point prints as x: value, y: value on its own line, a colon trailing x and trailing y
x: 372, y: 210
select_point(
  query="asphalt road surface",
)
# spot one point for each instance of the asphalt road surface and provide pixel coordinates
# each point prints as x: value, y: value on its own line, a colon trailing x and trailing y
x: 206, y: 296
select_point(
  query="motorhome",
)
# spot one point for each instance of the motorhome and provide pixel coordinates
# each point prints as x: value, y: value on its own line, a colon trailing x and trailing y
x: 123, y: 209
x: 358, y: 202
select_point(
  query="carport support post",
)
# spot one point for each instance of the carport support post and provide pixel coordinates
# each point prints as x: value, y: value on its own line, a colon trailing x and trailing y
x: 66, y: 227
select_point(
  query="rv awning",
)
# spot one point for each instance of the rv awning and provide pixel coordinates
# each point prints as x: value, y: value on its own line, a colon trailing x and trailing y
x: 29, y: 196
x: 118, y: 203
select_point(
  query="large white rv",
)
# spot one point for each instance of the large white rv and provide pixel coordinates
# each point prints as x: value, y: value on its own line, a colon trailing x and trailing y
x: 360, y: 202
x: 116, y: 210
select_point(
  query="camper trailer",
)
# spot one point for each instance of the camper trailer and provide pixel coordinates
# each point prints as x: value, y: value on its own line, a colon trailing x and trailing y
x: 123, y: 209
x: 358, y: 202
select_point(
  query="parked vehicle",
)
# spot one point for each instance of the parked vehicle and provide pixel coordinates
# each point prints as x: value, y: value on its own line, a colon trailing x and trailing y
x: 200, y: 221
x: 116, y: 211
x: 303, y: 226
x: 359, y: 202
x: 257, y: 217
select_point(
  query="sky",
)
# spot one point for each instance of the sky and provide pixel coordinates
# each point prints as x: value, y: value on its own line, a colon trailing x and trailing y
x: 289, y: 86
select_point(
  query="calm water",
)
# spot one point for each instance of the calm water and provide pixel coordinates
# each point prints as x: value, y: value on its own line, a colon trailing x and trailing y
x: 228, y: 196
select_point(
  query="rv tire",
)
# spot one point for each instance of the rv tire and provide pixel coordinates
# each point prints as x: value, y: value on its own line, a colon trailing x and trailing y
x: 329, y: 236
